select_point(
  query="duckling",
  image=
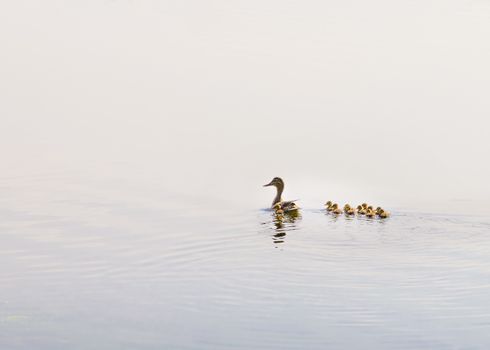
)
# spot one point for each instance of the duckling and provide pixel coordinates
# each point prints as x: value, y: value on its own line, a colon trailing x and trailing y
x: 370, y: 214
x: 279, y: 211
x: 361, y: 210
x: 364, y: 205
x: 348, y: 210
x: 370, y: 207
x: 328, y: 205
x: 336, y: 210
x: 284, y: 207
x: 378, y: 209
x: 383, y: 214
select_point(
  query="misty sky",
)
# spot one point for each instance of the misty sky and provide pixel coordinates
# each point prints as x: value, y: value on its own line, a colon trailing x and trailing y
x: 380, y: 98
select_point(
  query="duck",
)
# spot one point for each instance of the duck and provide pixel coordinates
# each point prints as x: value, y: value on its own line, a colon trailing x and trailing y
x: 278, y: 203
x: 336, y: 209
x: 348, y: 210
x: 370, y: 213
x: 277, y: 208
x: 361, y: 210
x: 328, y: 205
x: 383, y: 214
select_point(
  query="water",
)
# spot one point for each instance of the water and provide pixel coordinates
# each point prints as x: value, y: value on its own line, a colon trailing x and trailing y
x: 135, y: 137
x: 90, y: 264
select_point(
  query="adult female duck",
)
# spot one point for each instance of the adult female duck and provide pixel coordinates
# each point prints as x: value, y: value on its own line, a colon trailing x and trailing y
x: 286, y: 206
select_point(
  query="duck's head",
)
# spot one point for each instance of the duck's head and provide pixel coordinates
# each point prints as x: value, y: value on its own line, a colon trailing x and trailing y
x: 347, y: 207
x: 359, y: 207
x: 277, y: 182
x: 328, y: 204
x: 335, y: 206
x: 364, y: 205
x: 378, y: 210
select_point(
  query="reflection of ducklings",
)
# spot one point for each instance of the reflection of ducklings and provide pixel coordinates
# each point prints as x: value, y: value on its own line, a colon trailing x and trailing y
x: 348, y: 210
x: 370, y: 214
x: 328, y: 206
x: 336, y: 209
x: 361, y: 210
x: 383, y: 214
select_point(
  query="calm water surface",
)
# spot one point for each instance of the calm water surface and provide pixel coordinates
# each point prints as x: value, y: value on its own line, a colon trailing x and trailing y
x: 115, y: 265
x: 135, y: 138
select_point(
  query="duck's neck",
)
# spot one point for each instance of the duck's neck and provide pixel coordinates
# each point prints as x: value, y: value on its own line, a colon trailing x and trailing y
x: 278, y: 195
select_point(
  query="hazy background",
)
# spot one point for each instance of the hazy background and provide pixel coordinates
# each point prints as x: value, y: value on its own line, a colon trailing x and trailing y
x: 351, y: 100
x: 135, y: 137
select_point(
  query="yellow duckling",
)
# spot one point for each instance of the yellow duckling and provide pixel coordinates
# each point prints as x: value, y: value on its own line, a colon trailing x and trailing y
x: 369, y: 208
x: 328, y: 205
x: 364, y: 205
x: 370, y: 214
x: 283, y: 207
x: 279, y: 211
x: 361, y: 210
x: 348, y: 210
x: 383, y: 214
x: 336, y: 209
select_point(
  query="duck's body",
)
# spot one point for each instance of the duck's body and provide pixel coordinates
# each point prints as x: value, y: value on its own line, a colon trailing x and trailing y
x: 278, y: 203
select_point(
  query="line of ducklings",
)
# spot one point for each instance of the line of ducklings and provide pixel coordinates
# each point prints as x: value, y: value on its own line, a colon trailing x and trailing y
x: 362, y: 209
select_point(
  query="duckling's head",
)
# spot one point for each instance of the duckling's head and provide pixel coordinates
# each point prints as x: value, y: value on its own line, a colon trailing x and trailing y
x: 277, y: 182
x: 328, y: 204
x: 370, y: 207
x: 335, y: 206
x: 378, y: 210
x: 347, y: 206
x: 359, y: 207
x: 364, y: 205
x: 277, y: 206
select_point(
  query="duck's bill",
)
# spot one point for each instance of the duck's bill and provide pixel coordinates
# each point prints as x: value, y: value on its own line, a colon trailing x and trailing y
x: 269, y: 184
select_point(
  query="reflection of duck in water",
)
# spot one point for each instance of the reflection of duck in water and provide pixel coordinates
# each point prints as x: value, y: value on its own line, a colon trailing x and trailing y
x: 283, y: 222
x: 278, y: 203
